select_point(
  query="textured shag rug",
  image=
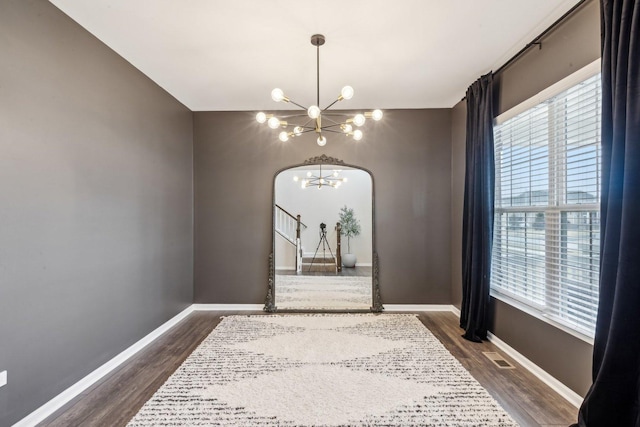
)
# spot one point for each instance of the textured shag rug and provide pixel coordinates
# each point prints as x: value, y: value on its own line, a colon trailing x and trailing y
x: 321, y: 370
x: 323, y: 292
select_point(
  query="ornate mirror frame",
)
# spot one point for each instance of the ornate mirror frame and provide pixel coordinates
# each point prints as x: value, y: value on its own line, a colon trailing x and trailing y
x: 376, y: 303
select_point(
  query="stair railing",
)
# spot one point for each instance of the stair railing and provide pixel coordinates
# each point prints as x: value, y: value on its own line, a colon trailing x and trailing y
x: 338, y: 247
x: 289, y: 227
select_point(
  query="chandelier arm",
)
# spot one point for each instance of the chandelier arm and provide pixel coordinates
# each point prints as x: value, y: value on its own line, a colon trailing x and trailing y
x: 332, y: 114
x: 331, y: 126
x: 308, y: 130
x: 306, y: 124
x: 298, y: 105
x: 323, y: 129
x: 331, y: 105
x: 290, y: 116
x: 334, y: 123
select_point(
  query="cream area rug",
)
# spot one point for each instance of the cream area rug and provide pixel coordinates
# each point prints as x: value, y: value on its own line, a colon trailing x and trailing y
x: 321, y: 370
x: 323, y: 292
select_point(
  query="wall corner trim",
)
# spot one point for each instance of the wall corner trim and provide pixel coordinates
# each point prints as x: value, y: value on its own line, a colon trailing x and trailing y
x: 571, y: 396
x: 63, y: 398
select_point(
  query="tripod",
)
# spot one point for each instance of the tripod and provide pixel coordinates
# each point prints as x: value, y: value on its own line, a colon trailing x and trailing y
x: 325, y: 245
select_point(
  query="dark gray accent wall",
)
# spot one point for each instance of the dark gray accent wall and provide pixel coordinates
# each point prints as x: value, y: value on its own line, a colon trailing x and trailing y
x: 235, y: 162
x: 458, y: 149
x: 96, y: 243
x: 574, y: 44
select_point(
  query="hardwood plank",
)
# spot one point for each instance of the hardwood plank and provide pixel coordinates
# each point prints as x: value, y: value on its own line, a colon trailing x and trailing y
x: 117, y: 398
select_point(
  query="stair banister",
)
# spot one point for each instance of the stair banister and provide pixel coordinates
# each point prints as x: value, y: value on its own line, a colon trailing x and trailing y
x: 285, y: 224
x: 338, y: 247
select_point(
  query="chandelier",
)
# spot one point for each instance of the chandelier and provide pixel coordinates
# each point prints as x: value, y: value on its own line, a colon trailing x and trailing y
x: 332, y: 180
x: 317, y: 120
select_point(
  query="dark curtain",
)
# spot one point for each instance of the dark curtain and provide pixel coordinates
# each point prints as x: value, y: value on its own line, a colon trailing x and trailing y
x: 614, y: 397
x: 477, y: 217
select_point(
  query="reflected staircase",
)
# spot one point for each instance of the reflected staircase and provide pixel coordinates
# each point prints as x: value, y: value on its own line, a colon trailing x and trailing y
x: 289, y: 226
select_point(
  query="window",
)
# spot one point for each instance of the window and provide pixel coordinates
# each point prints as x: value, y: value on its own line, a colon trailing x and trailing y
x: 547, y: 208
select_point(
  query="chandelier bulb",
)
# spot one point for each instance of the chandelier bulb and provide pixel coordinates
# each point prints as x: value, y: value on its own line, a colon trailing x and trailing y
x: 357, y: 134
x: 347, y: 128
x: 284, y: 136
x: 376, y: 115
x: 346, y: 92
x: 261, y: 117
x: 298, y: 130
x: 359, y: 120
x: 274, y: 123
x: 322, y: 141
x: 314, y: 112
x: 277, y: 94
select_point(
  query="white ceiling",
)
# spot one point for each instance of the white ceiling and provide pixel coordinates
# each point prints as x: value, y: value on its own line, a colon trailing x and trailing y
x: 229, y: 54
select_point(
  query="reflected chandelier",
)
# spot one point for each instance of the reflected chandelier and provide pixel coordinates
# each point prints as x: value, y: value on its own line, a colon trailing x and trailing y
x: 317, y: 120
x: 328, y: 180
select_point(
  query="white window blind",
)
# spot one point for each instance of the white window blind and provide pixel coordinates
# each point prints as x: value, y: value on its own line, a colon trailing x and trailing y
x: 546, y: 245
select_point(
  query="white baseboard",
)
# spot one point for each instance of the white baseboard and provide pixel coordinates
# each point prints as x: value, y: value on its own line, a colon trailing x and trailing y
x: 455, y: 310
x: 60, y: 400
x: 572, y: 397
x: 227, y: 307
x: 418, y: 307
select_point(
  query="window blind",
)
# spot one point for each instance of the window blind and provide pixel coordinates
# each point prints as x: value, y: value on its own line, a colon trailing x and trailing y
x: 547, y: 207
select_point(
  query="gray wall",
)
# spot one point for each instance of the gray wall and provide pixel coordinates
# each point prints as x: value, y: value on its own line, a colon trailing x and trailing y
x: 571, y: 46
x: 458, y: 144
x: 235, y: 162
x: 96, y: 245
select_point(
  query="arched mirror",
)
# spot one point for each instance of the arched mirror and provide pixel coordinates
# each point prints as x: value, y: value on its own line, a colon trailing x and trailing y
x: 324, y: 254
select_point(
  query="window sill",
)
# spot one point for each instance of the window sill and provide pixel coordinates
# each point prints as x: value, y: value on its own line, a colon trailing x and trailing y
x: 534, y: 313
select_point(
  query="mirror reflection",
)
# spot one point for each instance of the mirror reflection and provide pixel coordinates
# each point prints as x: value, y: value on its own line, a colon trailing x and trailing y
x: 323, y: 223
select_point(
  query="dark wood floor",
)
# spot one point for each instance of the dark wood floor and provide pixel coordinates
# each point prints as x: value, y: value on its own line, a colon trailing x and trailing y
x: 118, y: 397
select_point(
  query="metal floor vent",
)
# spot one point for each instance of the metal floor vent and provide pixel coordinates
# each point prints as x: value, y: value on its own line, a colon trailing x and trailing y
x: 498, y: 360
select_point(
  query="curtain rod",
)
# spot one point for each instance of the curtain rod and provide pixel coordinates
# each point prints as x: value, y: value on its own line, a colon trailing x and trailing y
x: 536, y: 41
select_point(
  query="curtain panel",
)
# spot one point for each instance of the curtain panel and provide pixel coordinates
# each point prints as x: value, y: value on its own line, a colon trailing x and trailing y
x: 477, y: 217
x: 614, y: 397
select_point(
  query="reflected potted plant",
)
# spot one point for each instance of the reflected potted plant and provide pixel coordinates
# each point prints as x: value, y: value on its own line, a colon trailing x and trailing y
x: 350, y: 228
